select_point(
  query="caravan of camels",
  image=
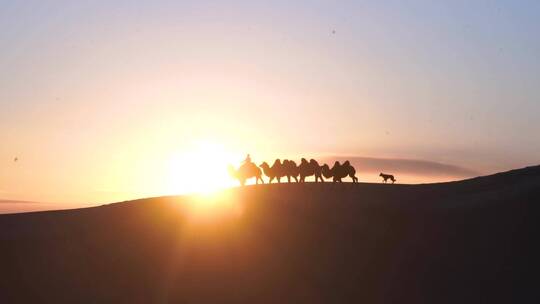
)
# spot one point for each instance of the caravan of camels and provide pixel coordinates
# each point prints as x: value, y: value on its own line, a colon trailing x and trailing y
x: 289, y: 169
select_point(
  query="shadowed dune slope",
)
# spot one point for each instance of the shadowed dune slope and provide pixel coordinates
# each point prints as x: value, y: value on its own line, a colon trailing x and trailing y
x: 464, y: 242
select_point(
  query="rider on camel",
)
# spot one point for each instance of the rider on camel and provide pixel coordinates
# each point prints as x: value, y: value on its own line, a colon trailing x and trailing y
x: 247, y: 160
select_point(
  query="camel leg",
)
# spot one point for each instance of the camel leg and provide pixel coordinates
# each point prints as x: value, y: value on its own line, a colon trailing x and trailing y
x: 279, y: 179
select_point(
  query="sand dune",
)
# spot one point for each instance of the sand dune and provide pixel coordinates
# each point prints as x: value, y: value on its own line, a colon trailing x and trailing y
x: 13, y: 206
x: 463, y: 242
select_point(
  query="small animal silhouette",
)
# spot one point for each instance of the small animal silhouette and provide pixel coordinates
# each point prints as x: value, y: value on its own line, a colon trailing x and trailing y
x: 387, y: 177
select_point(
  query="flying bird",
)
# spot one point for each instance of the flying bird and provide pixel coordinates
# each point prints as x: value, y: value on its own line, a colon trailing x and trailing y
x: 16, y: 159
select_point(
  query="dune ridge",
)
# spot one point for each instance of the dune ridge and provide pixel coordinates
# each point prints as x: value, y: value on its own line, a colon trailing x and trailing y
x: 461, y: 242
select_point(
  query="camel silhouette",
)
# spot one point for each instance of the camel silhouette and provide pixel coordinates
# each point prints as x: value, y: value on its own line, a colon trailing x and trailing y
x: 290, y: 170
x: 308, y: 169
x: 339, y: 171
x: 276, y: 171
x: 246, y: 171
x: 387, y: 177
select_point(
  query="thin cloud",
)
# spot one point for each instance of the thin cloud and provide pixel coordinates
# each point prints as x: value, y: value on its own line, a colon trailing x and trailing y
x: 404, y: 166
x: 18, y: 202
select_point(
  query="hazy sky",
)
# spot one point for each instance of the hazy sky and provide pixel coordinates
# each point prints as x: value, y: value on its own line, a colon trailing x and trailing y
x: 96, y: 97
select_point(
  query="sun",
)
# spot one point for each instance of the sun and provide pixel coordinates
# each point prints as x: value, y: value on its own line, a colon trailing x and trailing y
x: 200, y: 168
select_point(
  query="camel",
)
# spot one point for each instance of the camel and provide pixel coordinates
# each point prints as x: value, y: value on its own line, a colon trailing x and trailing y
x: 387, y: 177
x: 276, y: 171
x: 339, y: 171
x: 326, y: 171
x: 245, y: 172
x: 290, y: 170
x: 308, y: 169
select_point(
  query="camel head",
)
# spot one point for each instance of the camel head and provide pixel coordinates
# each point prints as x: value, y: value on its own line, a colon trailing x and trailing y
x: 264, y: 165
x: 325, y: 170
x: 381, y: 174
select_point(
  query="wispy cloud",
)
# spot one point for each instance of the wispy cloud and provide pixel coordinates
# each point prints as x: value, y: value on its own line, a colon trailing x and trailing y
x: 18, y: 202
x: 405, y: 166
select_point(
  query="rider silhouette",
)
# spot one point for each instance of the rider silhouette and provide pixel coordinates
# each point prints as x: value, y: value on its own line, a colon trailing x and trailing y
x: 247, y: 160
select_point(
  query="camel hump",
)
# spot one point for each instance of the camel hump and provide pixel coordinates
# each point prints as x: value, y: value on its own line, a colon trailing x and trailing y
x: 346, y: 163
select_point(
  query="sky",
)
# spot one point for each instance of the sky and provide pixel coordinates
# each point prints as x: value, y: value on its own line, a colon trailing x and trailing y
x: 113, y: 100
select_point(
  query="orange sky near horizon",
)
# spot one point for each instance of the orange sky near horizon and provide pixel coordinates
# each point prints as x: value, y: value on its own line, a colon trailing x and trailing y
x: 104, y: 102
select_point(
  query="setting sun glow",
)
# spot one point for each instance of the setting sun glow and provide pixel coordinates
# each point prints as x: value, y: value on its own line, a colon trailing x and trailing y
x: 200, y: 169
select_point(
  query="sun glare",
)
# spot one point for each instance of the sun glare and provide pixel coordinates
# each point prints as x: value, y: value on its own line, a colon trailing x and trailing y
x: 202, y: 168
x: 207, y: 208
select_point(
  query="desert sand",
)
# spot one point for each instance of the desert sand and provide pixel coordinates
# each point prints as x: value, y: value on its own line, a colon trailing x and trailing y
x: 472, y: 241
